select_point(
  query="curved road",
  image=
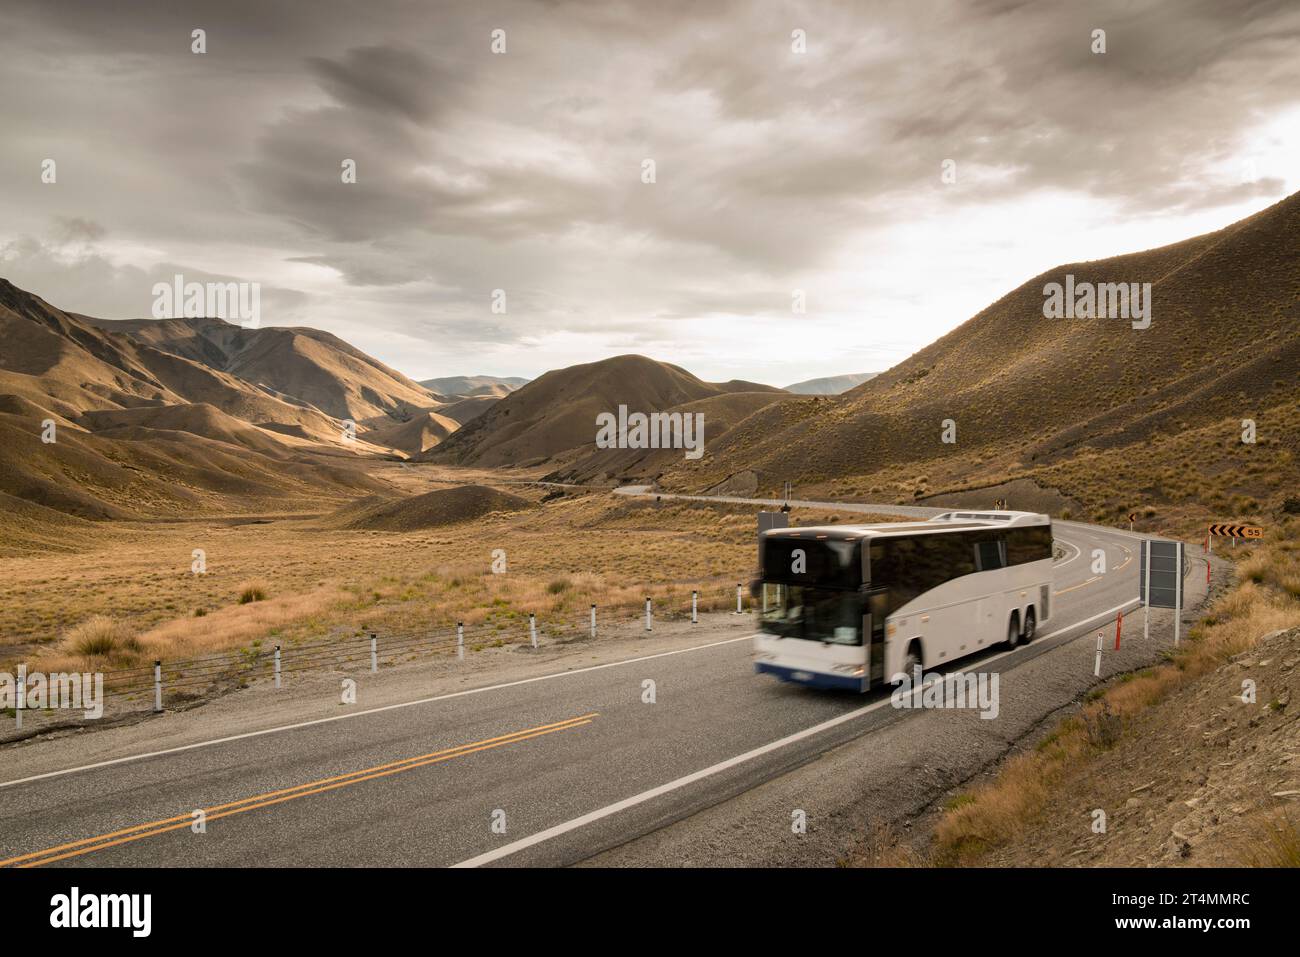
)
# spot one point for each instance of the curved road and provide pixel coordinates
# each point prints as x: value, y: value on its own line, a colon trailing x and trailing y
x: 566, y: 767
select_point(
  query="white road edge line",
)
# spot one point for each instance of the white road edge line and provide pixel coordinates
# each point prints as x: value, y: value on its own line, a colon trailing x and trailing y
x: 572, y: 825
x: 359, y: 714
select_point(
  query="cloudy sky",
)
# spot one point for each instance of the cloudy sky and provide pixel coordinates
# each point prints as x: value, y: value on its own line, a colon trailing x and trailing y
x: 776, y: 170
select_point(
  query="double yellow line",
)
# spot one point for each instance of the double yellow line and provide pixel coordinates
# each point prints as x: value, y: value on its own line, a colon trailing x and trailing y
x: 140, y: 831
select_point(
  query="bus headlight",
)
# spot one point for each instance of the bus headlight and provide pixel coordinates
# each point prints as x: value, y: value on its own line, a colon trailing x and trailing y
x: 857, y: 671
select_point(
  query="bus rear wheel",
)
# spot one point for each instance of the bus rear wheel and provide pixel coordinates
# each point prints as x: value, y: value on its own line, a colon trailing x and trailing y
x: 1013, y: 631
x: 1031, y: 625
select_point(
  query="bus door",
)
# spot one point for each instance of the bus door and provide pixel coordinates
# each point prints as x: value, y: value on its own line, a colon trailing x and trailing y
x: 873, y: 633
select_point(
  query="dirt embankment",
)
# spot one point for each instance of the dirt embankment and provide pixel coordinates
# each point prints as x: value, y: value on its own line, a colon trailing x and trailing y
x: 1208, y: 777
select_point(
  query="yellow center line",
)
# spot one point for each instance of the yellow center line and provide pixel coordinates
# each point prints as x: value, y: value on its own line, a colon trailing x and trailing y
x: 1080, y: 585
x: 135, y: 833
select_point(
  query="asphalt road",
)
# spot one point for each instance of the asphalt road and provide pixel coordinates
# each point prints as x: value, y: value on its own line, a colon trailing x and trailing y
x: 541, y: 773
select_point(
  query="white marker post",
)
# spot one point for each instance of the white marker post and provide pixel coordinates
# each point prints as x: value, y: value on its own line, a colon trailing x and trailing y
x: 738, y: 609
x: 1146, y: 601
x: 695, y: 608
x: 593, y: 621
x: 374, y: 653
x: 22, y: 696
x: 532, y: 628
x: 1096, y: 669
x: 277, y: 667
x: 157, y: 686
x: 647, y: 614
x: 460, y: 640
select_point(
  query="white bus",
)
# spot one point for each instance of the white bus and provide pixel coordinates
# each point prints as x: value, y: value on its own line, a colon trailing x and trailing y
x: 853, y: 606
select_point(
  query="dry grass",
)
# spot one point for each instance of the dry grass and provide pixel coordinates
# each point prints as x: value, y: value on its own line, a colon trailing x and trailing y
x: 252, y: 591
x: 1275, y: 843
x: 101, y: 639
x: 294, y: 580
x: 1261, y: 602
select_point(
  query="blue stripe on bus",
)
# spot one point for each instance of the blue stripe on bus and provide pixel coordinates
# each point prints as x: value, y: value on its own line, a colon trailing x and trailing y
x: 812, y: 679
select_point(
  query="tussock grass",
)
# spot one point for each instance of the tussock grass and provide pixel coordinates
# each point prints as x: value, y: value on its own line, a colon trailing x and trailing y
x: 251, y: 591
x: 1261, y: 602
x: 101, y: 638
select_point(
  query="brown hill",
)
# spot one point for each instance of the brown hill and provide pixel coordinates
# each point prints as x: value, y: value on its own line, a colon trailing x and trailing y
x: 462, y: 410
x: 557, y: 412
x: 133, y: 471
x: 444, y: 506
x: 315, y: 367
x: 1113, y: 415
x: 466, y: 386
x: 196, y: 418
x: 145, y: 433
x: 418, y: 434
x: 67, y: 365
x: 721, y: 414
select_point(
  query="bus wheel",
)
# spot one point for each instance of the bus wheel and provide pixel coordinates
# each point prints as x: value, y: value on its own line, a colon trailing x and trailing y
x: 1030, y: 624
x: 912, y: 660
x: 1013, y: 632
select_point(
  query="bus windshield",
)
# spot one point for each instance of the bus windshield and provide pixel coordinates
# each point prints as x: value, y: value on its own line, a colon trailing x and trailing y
x: 829, y: 563
x: 829, y: 615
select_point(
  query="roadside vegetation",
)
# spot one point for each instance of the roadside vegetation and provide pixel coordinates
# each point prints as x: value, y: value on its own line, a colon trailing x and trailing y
x: 1263, y: 599
x: 293, y: 580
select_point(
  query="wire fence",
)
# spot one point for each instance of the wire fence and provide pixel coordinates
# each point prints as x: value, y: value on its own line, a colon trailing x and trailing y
x: 180, y: 681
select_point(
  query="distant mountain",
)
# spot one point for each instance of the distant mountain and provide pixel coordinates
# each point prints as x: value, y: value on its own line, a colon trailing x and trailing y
x: 831, y: 385
x: 312, y: 366
x: 464, y: 386
x: 557, y: 413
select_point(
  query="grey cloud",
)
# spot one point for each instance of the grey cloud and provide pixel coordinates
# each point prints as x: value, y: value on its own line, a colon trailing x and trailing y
x: 522, y: 171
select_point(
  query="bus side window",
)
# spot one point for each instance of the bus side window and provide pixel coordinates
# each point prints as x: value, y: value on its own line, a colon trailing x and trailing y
x: 989, y: 554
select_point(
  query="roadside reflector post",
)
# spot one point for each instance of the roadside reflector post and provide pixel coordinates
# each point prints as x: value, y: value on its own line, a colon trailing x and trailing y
x: 21, y: 702
x: 593, y: 620
x: 460, y: 640
x: 374, y: 653
x: 695, y: 608
x: 738, y: 608
x: 647, y: 614
x: 277, y: 667
x: 532, y: 628
x: 1146, y: 597
x: 157, y: 686
x: 1096, y: 669
x: 1119, y: 626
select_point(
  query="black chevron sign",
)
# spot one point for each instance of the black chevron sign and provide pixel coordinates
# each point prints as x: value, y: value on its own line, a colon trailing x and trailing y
x: 1237, y: 531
